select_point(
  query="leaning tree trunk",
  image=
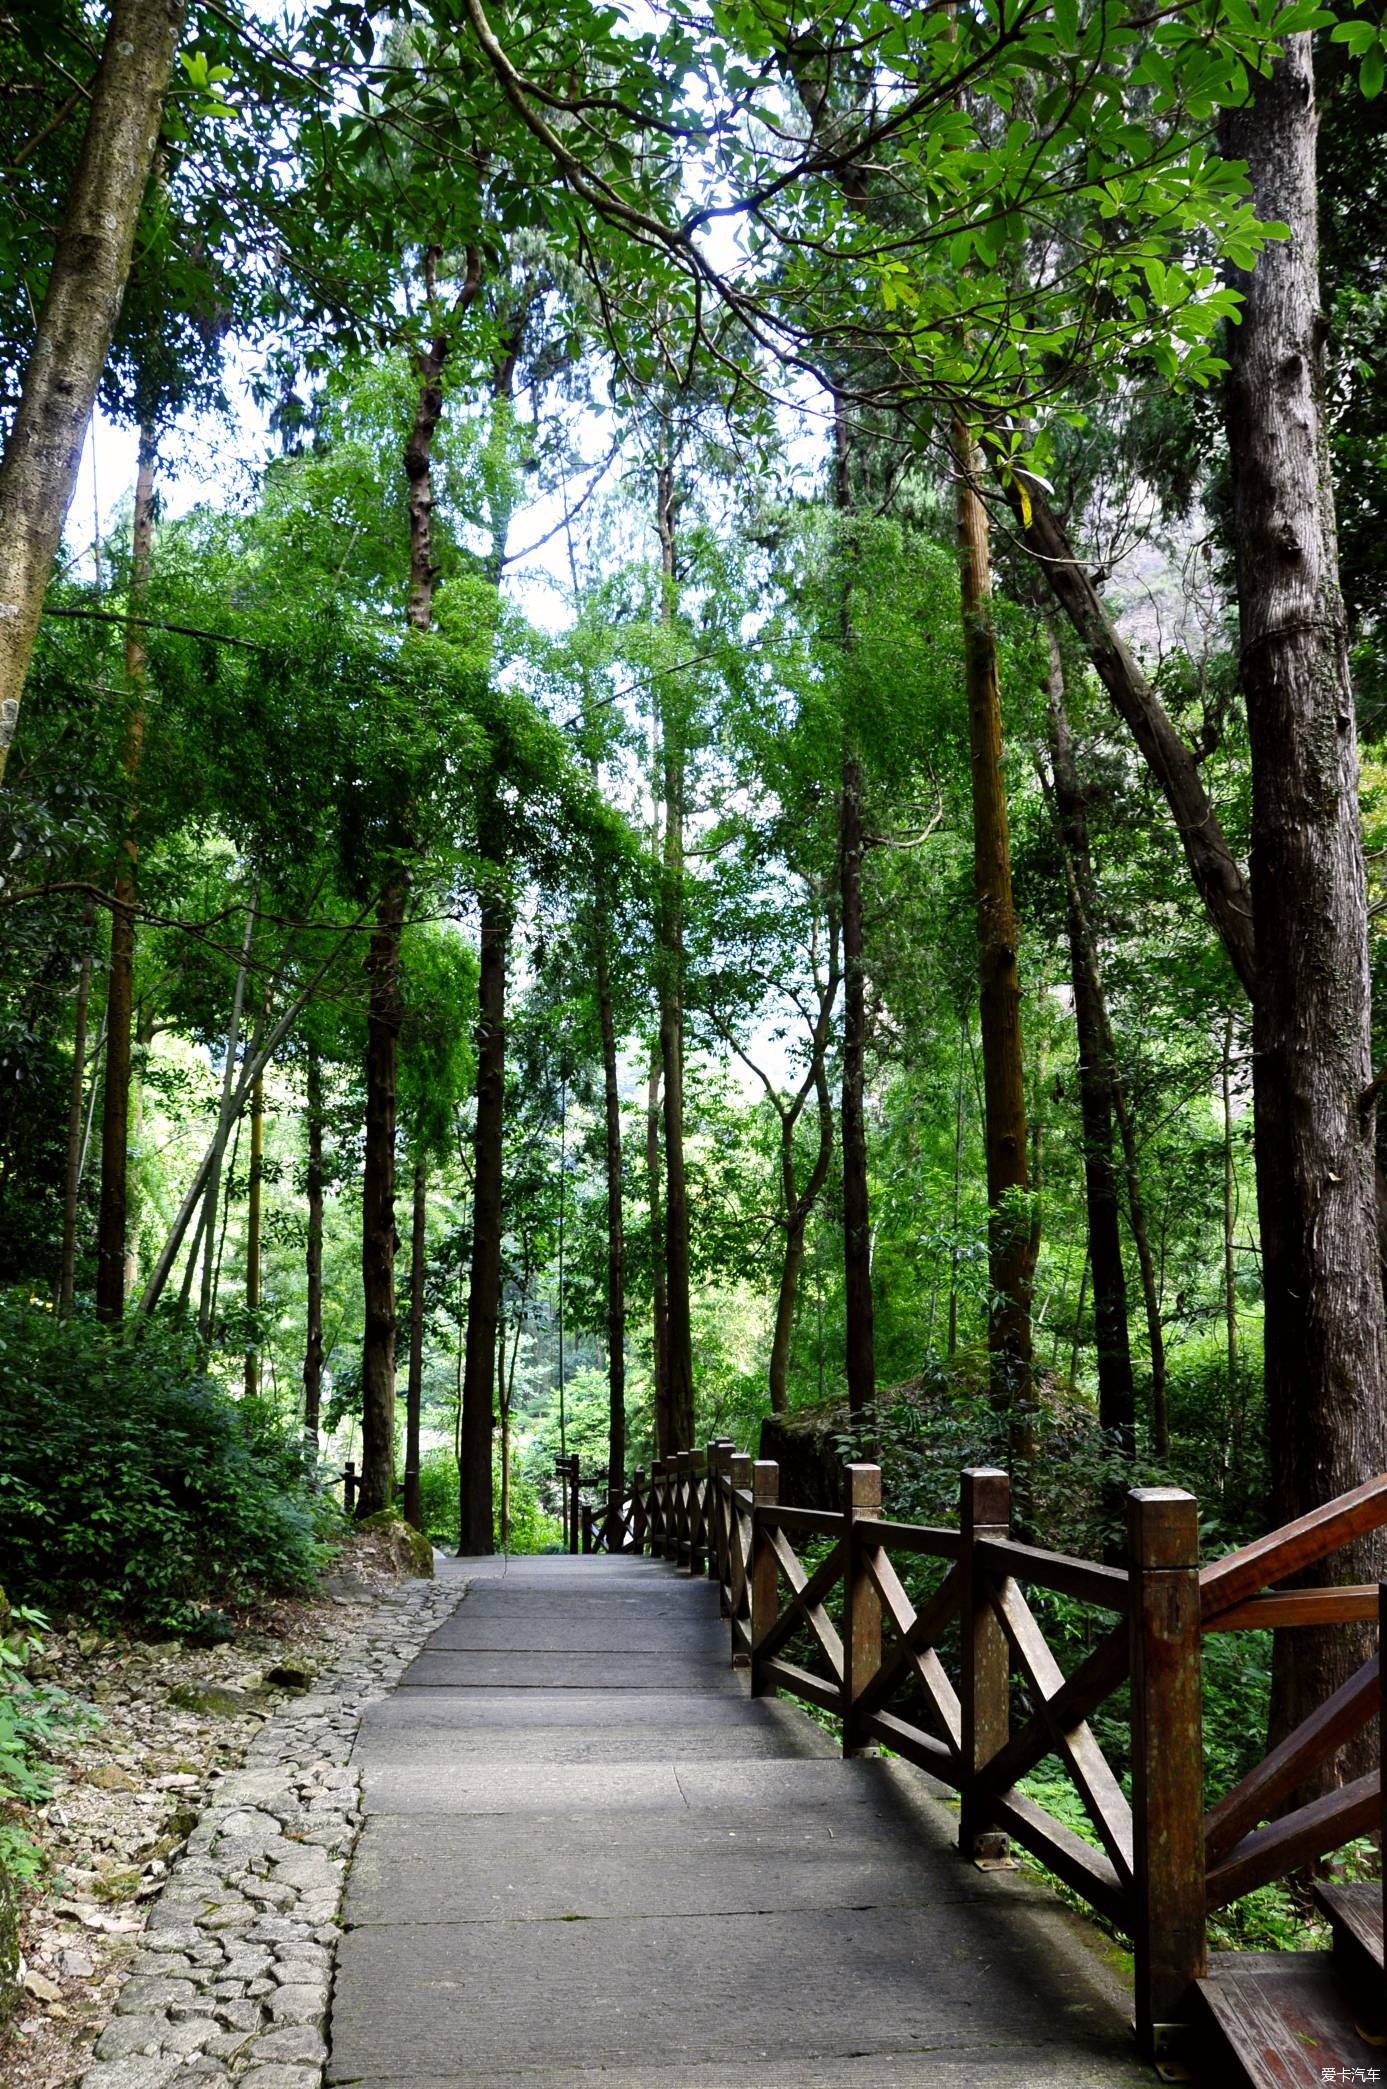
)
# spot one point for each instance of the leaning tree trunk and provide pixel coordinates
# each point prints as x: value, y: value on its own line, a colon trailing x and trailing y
x: 378, y: 1240
x: 484, y: 1295
x: 414, y: 1388
x: 1116, y: 1394
x: 1011, y: 1247
x: 120, y: 981
x: 313, y: 1254
x: 1314, y: 1140
x: 81, y: 303
x: 616, y: 1246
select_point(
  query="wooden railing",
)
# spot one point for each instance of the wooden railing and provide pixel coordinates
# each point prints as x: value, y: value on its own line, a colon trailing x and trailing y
x: 841, y: 1632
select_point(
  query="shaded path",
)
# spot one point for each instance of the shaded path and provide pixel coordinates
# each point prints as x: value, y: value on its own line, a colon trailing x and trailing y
x: 589, y: 1856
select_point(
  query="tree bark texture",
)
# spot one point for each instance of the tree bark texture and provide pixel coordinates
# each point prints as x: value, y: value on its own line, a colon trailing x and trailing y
x: 313, y: 1253
x: 484, y: 1293
x: 112, y: 1215
x: 679, y: 1362
x: 67, y: 1272
x: 414, y: 1385
x: 1311, y: 1015
x: 378, y: 1238
x: 616, y: 1245
x: 1116, y: 1393
x: 81, y: 302
x: 1011, y: 1254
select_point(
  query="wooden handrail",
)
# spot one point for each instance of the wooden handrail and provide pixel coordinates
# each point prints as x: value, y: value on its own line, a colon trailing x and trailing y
x: 1162, y: 1862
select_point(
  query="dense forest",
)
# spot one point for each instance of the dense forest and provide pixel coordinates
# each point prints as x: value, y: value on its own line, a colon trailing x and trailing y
x: 692, y: 706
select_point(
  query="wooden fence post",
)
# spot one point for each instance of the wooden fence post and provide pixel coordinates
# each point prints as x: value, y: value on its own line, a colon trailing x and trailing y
x: 616, y: 1533
x: 762, y: 1572
x: 739, y: 1473
x: 719, y: 1467
x: 657, y: 1522
x: 985, y: 1667
x: 638, y: 1510
x: 696, y: 1467
x: 349, y: 1487
x: 1167, y: 1759
x: 861, y: 1599
x: 573, y: 1502
x: 683, y: 1480
x: 587, y: 1527
x: 711, y: 1554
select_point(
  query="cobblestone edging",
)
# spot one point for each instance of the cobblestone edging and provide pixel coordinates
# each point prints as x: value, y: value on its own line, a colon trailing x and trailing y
x: 233, y: 1975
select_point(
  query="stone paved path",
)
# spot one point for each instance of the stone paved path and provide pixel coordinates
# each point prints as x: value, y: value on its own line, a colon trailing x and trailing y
x: 589, y: 1857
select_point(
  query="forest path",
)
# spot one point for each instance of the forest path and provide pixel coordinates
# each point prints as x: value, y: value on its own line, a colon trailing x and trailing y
x: 590, y: 1856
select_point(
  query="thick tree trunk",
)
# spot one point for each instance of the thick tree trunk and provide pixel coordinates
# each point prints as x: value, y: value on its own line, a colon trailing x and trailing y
x: 484, y: 1296
x: 679, y: 1361
x: 659, y: 1304
x: 254, y: 1208
x: 313, y: 1254
x: 81, y: 303
x: 791, y: 1264
x: 1311, y: 1020
x: 120, y: 983
x: 414, y: 1389
x: 378, y: 1238
x: 616, y: 1245
x: 1011, y: 1254
x: 67, y: 1273
x: 1116, y: 1394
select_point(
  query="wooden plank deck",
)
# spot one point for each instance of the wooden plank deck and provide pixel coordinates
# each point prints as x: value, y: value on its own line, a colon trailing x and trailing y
x: 589, y: 1856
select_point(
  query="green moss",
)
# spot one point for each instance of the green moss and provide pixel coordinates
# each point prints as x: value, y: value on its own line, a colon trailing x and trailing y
x: 412, y: 1551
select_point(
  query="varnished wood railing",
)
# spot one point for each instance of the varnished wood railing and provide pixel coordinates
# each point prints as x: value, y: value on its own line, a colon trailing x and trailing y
x: 1156, y: 1862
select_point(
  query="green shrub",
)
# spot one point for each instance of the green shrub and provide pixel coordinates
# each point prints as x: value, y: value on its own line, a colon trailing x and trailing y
x: 131, y: 1484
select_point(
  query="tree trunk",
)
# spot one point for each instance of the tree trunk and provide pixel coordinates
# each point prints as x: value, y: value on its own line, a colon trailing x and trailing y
x: 1116, y: 1394
x: 504, y: 1388
x: 414, y: 1392
x: 616, y: 1248
x: 792, y: 1262
x: 659, y: 1306
x: 115, y: 1102
x: 1311, y: 1018
x: 484, y: 1296
x: 679, y: 1361
x: 313, y: 1256
x: 254, y: 1202
x: 378, y: 1238
x: 956, y: 1245
x: 1230, y: 1213
x: 67, y: 1276
x: 1011, y: 1261
x: 860, y: 1340
x: 91, y: 262
x: 225, y: 1119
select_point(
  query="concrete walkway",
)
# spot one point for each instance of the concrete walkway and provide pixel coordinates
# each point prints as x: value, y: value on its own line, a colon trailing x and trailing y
x: 590, y: 1857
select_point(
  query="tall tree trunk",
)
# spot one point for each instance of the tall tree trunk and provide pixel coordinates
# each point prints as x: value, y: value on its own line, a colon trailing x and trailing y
x: 115, y: 1103
x: 671, y: 972
x: 378, y: 1237
x: 659, y: 1306
x: 787, y: 1292
x: 1230, y: 1213
x: 616, y: 1246
x: 1326, y: 1417
x: 504, y: 1386
x: 414, y: 1392
x: 857, y: 1218
x: 1011, y: 1255
x: 483, y: 1307
x: 67, y: 1275
x: 81, y: 302
x: 313, y: 1253
x: 1116, y: 1393
x: 225, y: 1118
x: 955, y: 1250
x: 254, y: 1206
